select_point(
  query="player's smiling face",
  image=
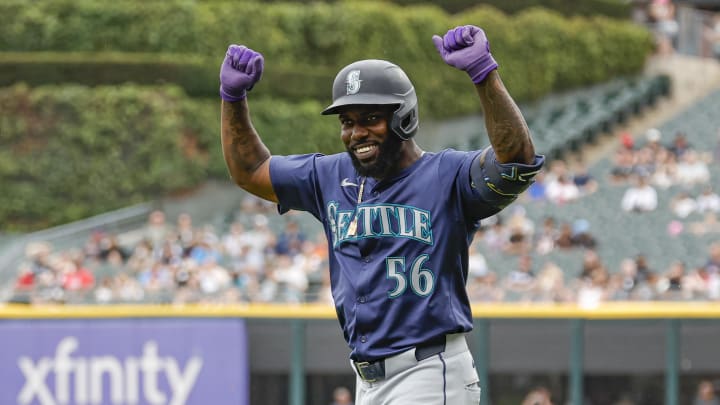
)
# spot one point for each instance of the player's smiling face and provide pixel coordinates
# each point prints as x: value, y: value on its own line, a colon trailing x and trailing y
x: 374, y: 150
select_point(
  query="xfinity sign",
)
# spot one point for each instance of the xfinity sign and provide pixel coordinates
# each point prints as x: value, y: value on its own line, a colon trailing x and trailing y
x: 124, y: 362
x: 125, y: 376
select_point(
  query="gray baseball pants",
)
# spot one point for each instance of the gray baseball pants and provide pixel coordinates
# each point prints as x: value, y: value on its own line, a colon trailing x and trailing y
x: 447, y: 378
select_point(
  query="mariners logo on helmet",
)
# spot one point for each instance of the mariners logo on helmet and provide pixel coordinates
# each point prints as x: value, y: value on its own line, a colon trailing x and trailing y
x: 353, y: 82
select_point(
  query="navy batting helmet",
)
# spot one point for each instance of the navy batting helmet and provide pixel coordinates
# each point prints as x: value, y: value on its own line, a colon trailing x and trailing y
x: 375, y: 81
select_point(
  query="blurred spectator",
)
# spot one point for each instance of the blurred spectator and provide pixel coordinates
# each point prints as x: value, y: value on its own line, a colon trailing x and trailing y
x: 713, y: 262
x: 583, y: 180
x: 653, y: 137
x: 691, y: 169
x: 252, y: 204
x: 564, y: 238
x: 626, y: 140
x: 581, y: 236
x: 38, y: 253
x: 204, y: 249
x: 521, y: 229
x: 682, y: 205
x: 128, y: 289
x: 706, y: 394
x: 156, y: 229
x: 520, y: 281
x: 477, y: 265
x: 644, y: 162
x: 590, y: 262
x: 291, y: 278
x: 290, y: 240
x: 546, y: 237
x: 665, y: 170
x: 261, y: 241
x: 104, y: 293
x: 75, y: 276
x: 485, y: 288
x: 25, y: 280
x: 679, y: 144
x: 644, y: 272
x: 625, y: 280
x: 622, y: 166
x: 342, y: 396
x: 185, y: 232
x: 671, y: 285
x: 712, y: 35
x: 537, y: 192
x: 664, y: 25
x: 708, y: 201
x: 594, y: 288
x: 495, y: 235
x: 550, y: 285
x: 155, y: 277
x: 641, y: 197
x: 709, y: 224
x: 538, y: 396
x: 562, y: 190
x: 212, y: 278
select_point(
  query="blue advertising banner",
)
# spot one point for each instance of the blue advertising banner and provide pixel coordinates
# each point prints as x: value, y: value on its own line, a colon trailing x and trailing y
x: 124, y: 362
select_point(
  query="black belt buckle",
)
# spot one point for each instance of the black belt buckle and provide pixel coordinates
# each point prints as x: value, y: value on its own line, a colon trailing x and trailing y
x: 371, y: 372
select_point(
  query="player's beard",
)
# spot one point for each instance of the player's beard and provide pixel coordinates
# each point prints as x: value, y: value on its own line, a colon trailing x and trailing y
x: 386, y: 162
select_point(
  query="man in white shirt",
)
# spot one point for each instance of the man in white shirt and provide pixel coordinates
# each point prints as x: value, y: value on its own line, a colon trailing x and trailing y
x: 640, y: 197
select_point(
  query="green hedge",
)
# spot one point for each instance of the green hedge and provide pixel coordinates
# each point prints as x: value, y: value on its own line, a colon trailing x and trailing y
x: 590, y: 8
x: 72, y: 151
x: 539, y: 51
x: 197, y: 75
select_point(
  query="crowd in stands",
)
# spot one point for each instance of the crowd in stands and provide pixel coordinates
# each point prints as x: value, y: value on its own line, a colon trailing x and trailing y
x: 176, y: 260
x: 180, y: 262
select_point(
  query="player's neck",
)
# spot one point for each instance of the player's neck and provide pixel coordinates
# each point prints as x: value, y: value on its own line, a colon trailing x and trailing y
x: 410, y: 153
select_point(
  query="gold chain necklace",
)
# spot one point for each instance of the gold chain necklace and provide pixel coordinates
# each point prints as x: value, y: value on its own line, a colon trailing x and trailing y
x: 352, y: 228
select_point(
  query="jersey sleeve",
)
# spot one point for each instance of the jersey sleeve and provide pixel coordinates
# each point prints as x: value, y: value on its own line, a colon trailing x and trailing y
x: 295, y: 182
x: 486, y: 186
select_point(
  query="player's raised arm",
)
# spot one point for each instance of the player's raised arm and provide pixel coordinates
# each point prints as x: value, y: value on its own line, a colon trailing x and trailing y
x: 247, y: 158
x: 467, y: 48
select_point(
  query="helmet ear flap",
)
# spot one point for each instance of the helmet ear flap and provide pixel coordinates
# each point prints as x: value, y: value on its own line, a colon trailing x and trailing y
x: 405, y: 125
x: 409, y: 121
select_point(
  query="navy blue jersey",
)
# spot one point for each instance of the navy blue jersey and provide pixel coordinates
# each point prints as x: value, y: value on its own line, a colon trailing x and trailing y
x: 399, y: 259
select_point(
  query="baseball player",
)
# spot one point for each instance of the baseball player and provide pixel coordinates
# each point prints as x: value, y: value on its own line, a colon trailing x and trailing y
x: 398, y: 220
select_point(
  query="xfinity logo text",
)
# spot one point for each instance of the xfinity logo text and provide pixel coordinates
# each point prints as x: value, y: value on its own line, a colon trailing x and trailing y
x: 129, y: 381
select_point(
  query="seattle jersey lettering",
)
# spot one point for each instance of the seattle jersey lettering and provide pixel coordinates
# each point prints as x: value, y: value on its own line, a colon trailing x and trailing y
x: 380, y: 220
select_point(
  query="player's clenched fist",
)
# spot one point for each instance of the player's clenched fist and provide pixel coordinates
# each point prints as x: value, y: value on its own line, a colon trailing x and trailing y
x: 240, y: 70
x: 467, y: 48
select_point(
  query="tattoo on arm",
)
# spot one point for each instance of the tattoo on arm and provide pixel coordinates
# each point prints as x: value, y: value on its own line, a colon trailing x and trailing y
x: 507, y: 129
x: 246, y: 149
x: 243, y: 149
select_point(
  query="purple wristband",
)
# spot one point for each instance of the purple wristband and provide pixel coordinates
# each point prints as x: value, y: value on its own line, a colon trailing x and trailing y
x: 479, y: 70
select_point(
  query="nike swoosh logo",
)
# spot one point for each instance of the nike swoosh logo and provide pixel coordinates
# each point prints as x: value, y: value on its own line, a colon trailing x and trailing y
x: 347, y: 183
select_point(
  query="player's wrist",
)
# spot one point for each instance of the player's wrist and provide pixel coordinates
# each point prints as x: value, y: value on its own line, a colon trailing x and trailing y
x: 225, y: 95
x: 480, y: 69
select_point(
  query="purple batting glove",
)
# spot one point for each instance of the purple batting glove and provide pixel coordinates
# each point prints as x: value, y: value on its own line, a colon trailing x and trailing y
x: 240, y: 70
x: 467, y: 48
